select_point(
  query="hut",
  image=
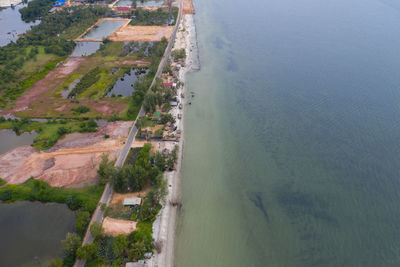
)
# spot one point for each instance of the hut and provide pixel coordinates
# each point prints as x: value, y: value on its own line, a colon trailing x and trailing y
x: 132, y: 201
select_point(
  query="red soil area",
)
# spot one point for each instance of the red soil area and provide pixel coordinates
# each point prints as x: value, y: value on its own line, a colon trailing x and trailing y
x: 69, y: 163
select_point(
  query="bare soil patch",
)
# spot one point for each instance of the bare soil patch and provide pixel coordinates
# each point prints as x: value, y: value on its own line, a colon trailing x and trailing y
x: 68, y: 163
x: 116, y: 227
x: 188, y: 7
x: 130, y: 33
x: 118, y: 199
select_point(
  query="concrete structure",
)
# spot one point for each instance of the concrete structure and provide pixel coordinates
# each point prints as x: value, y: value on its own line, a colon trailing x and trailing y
x: 132, y: 201
x: 140, y: 263
x: 7, y: 3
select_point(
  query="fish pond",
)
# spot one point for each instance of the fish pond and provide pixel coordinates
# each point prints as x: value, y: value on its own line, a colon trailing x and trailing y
x: 125, y: 3
x: 11, y: 24
x: 150, y: 3
x: 103, y: 29
x: 125, y: 85
x: 10, y: 140
x: 83, y: 49
x: 31, y: 232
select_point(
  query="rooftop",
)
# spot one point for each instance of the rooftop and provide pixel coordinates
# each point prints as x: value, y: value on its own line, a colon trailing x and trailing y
x: 132, y: 201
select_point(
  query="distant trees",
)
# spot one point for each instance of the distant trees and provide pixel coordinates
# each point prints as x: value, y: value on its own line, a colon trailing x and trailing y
x: 35, y: 9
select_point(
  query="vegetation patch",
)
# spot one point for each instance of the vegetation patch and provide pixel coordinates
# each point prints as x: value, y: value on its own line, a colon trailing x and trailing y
x: 48, y: 132
x: 159, y: 17
x: 87, y: 80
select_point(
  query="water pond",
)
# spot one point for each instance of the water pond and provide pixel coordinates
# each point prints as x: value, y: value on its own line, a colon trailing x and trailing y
x: 124, y: 85
x: 125, y: 3
x: 9, y: 140
x: 85, y: 49
x: 150, y: 3
x: 103, y: 29
x: 31, y: 232
x: 11, y: 24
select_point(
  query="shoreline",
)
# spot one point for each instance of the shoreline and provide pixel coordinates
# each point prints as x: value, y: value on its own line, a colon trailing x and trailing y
x: 164, y: 227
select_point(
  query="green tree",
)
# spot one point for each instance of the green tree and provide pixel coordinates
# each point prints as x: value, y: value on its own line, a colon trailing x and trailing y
x: 87, y: 252
x: 71, y: 243
x: 57, y: 263
x: 97, y: 231
x: 120, y: 244
x: 83, y: 219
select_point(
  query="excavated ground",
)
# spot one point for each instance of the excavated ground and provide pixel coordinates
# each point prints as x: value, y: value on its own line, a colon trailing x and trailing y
x: 130, y: 33
x: 70, y: 163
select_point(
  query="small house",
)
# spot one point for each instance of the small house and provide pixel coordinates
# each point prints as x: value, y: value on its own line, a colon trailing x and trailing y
x: 170, y: 85
x: 140, y: 263
x: 132, y: 201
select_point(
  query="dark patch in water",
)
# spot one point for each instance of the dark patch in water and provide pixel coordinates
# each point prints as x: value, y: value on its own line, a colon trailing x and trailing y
x: 256, y: 198
x: 232, y: 66
x: 299, y: 205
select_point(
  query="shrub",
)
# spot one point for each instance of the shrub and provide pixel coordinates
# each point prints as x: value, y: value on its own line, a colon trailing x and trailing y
x: 81, y: 109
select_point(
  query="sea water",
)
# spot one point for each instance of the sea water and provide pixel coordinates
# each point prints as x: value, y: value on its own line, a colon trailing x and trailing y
x: 291, y: 154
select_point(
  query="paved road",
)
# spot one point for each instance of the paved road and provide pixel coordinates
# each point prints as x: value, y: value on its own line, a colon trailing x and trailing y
x: 107, y: 193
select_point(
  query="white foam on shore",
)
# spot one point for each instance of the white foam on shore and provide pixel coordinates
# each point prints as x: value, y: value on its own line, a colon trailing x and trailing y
x: 165, y: 224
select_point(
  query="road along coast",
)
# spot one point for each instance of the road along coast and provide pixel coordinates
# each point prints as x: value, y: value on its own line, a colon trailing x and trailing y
x: 165, y: 225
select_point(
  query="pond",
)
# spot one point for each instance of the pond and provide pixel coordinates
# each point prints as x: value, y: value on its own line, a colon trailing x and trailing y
x: 85, y: 49
x: 10, y: 140
x: 66, y: 92
x: 124, y: 85
x: 103, y: 29
x: 11, y: 24
x: 150, y: 3
x: 125, y: 3
x: 31, y: 232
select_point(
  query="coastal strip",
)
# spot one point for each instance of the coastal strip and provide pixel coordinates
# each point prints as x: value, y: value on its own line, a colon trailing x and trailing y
x: 98, y: 215
x: 165, y: 225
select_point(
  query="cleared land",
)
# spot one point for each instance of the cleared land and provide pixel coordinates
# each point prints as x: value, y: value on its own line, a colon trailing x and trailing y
x: 188, y: 7
x: 130, y: 33
x: 116, y: 227
x: 83, y: 154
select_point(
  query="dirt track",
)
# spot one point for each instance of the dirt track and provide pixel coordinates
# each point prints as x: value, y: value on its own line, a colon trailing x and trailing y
x: 69, y: 163
x: 130, y: 33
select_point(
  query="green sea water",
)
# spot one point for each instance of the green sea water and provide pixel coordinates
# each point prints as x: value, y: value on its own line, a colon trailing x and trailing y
x: 291, y: 154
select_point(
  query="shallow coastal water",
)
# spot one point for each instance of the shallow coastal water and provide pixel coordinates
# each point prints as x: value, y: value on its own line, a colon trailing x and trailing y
x: 103, y: 29
x: 27, y: 239
x: 11, y: 24
x: 10, y: 140
x: 291, y: 142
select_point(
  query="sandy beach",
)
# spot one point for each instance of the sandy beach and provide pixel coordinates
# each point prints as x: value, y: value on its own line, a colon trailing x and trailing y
x: 165, y: 224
